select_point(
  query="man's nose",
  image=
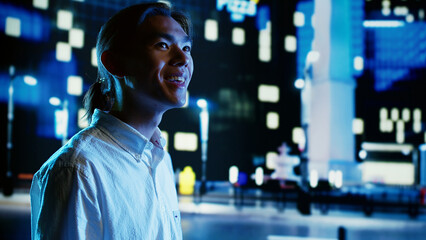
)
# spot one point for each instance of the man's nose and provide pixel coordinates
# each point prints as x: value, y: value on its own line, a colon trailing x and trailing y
x: 180, y: 57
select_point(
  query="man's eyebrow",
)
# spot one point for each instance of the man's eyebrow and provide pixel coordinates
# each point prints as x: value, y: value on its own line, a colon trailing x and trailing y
x: 171, y: 38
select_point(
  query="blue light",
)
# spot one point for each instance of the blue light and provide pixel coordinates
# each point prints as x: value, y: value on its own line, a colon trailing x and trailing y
x: 396, y: 52
x: 202, y: 103
x: 238, y: 9
x: 304, y: 35
x: 263, y: 17
x: 34, y: 26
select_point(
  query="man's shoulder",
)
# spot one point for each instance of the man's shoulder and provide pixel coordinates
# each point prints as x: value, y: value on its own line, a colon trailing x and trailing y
x: 72, y: 155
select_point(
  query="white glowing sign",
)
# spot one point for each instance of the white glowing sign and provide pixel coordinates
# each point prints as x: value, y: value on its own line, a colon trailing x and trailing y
x: 237, y: 8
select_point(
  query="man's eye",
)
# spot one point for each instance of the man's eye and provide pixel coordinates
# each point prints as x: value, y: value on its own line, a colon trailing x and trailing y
x: 162, y: 45
x: 186, y: 49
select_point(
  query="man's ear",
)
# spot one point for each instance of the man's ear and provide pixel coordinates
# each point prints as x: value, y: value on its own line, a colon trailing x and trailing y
x: 112, y: 63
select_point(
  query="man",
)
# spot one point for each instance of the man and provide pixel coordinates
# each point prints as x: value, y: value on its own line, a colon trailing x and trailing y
x: 113, y: 180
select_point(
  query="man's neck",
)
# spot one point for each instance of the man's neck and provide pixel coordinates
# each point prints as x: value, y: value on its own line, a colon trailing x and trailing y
x: 145, y: 123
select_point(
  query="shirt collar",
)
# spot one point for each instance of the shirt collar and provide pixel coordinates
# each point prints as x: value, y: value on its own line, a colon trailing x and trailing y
x: 126, y: 136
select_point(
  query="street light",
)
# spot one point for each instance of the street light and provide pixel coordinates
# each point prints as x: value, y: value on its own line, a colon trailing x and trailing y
x: 204, y: 126
x: 31, y: 81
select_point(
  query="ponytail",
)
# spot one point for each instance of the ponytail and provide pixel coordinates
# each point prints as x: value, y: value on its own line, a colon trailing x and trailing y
x: 94, y: 99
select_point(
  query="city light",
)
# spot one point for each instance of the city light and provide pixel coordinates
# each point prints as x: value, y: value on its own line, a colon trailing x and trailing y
x: 259, y: 176
x: 383, y: 23
x: 64, y: 20
x: 63, y: 52
x: 54, y: 101
x: 211, y: 30
x: 233, y: 174
x: 299, y: 19
x: 30, y: 80
x: 299, y: 83
x: 184, y: 141
x: 75, y: 85
x: 13, y: 27
x: 290, y: 43
x: 76, y: 37
x: 238, y: 36
x: 41, y: 4
x: 272, y: 120
x: 268, y: 93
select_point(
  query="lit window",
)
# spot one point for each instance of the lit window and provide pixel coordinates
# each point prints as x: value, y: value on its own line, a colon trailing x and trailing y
x: 166, y: 137
x: 94, y: 58
x: 389, y: 125
x: 400, y: 137
x: 64, y: 20
x: 298, y: 135
x: 383, y: 125
x: 271, y: 159
x: 233, y: 174
x: 265, y: 51
x: 272, y: 120
x: 386, y: 11
x: 76, y: 38
x: 41, y: 4
x: 400, y: 11
x: 259, y: 177
x: 358, y: 126
x: 211, y: 30
x: 238, y: 36
x: 406, y: 114
x: 54, y: 101
x: 299, y: 19
x: 421, y: 14
x: 400, y: 126
x: 290, y: 43
x: 417, y: 126
x: 313, y: 178
x: 75, y: 85
x: 417, y: 114
x: 61, y: 123
x: 30, y: 80
x: 63, y: 52
x: 265, y: 54
x: 268, y: 93
x: 82, y: 119
x: 389, y: 173
x: 358, y: 63
x: 13, y: 27
x: 394, y: 114
x: 409, y: 18
x: 186, y: 141
x: 383, y: 114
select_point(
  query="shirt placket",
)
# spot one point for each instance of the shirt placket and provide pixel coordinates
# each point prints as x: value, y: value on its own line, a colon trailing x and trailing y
x: 153, y: 169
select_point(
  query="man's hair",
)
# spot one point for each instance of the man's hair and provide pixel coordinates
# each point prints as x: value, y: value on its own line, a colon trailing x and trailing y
x: 119, y: 34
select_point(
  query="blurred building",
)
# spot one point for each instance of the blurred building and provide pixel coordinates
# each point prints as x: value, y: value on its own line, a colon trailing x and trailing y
x: 251, y: 64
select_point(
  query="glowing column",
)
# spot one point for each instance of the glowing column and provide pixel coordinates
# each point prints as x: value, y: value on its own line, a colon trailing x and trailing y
x: 330, y: 107
x: 204, y: 129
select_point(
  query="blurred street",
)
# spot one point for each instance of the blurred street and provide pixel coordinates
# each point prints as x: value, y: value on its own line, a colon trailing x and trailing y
x: 208, y: 221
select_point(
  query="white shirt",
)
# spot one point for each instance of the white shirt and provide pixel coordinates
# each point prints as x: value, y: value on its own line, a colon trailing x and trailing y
x: 107, y: 182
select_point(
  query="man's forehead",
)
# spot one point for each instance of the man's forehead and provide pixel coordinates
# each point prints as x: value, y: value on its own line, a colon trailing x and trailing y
x: 161, y: 26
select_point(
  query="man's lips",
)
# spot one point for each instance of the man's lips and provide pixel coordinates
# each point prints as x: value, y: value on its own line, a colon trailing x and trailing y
x: 176, y: 79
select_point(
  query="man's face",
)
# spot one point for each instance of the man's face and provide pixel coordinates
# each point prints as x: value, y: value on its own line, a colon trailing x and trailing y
x: 161, y: 66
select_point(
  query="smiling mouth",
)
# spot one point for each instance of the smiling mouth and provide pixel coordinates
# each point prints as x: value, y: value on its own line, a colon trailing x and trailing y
x: 176, y: 79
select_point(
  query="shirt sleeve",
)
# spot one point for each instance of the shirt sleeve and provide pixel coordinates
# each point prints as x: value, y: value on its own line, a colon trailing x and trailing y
x: 64, y: 206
